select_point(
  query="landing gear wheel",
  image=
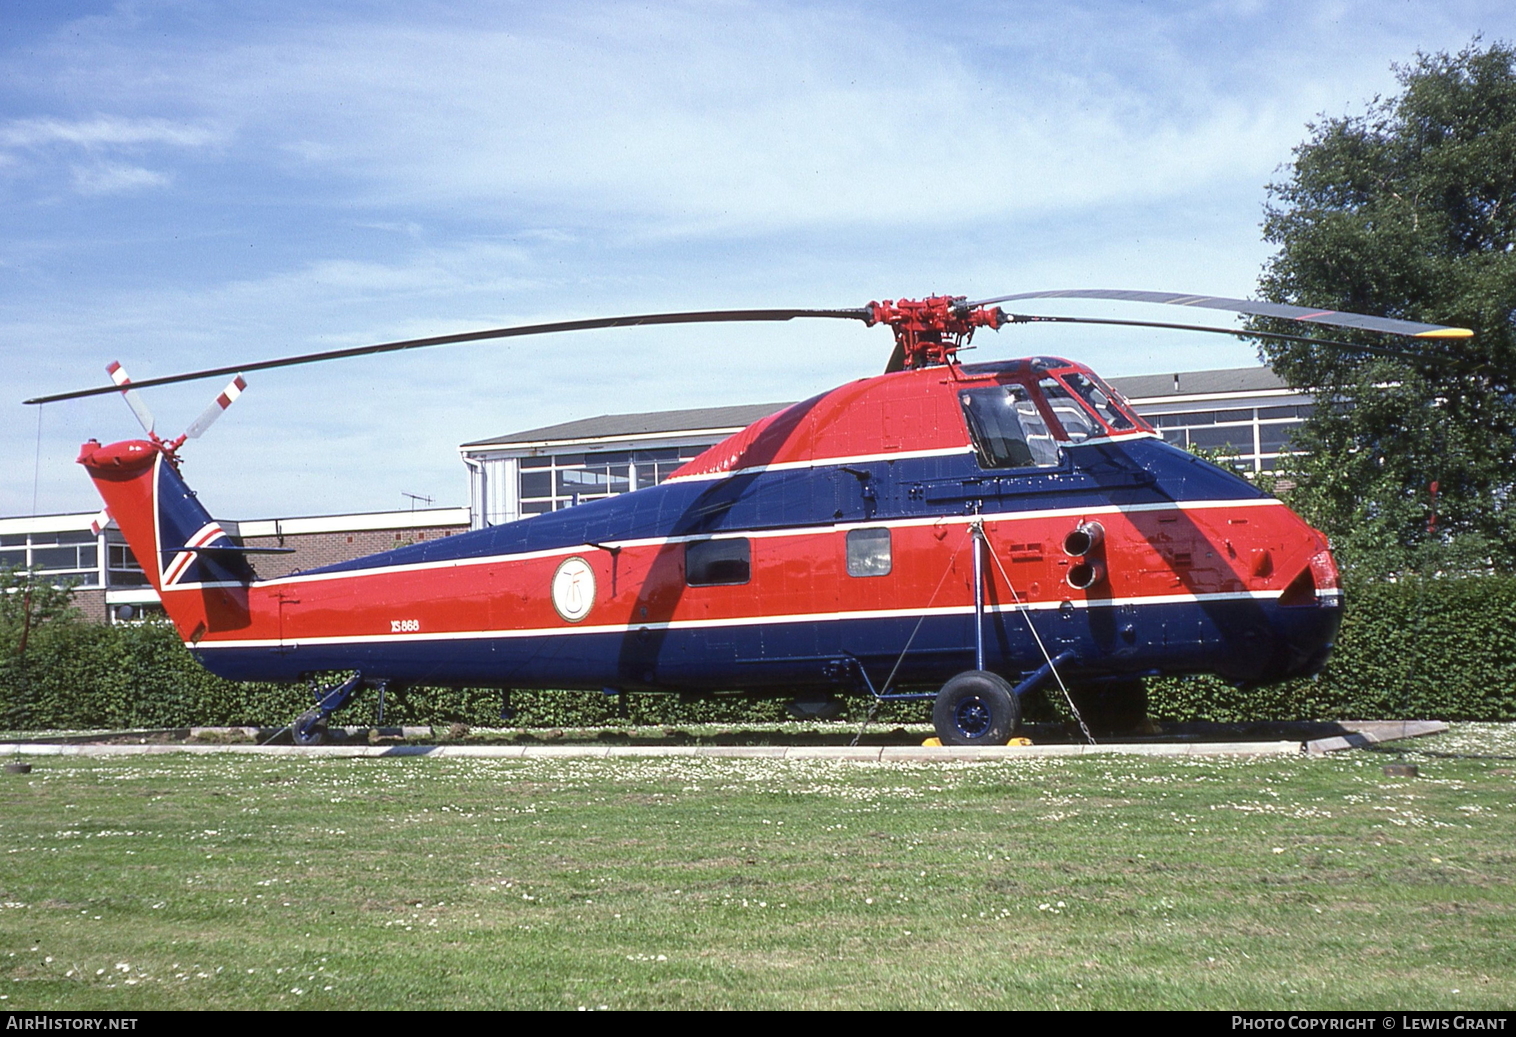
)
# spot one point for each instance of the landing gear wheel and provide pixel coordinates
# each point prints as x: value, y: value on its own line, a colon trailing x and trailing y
x: 309, y: 728
x: 976, y: 708
x: 1112, y: 708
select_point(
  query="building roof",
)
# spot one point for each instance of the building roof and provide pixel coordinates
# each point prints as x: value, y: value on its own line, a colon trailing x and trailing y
x: 1197, y: 383
x: 697, y: 419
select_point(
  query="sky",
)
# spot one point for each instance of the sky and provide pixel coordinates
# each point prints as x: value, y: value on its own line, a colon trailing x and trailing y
x: 189, y: 184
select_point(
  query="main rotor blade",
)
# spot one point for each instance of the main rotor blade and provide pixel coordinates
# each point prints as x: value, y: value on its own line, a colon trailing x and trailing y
x: 1387, y: 325
x: 1025, y: 318
x: 696, y: 317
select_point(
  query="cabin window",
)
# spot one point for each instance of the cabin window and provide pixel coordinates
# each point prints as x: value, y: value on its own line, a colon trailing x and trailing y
x: 868, y: 552
x: 1007, y: 429
x: 713, y: 563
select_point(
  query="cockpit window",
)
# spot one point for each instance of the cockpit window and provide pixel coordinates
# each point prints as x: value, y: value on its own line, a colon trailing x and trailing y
x: 1076, y: 421
x: 1007, y: 429
x: 1100, y: 401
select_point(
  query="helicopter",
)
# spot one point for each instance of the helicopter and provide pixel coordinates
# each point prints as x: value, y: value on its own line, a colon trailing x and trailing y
x: 967, y: 534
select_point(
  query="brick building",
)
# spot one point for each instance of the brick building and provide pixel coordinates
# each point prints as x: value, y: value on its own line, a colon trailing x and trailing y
x: 328, y: 539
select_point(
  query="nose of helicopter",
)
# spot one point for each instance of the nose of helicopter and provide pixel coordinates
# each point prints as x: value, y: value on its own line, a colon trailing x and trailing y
x: 1291, y: 636
x: 1311, y: 611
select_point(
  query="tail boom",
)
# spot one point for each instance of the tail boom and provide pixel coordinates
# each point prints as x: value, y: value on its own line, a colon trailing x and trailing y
x: 187, y: 557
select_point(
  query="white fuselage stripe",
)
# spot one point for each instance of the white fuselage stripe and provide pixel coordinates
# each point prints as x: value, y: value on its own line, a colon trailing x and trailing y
x: 739, y: 621
x: 208, y: 532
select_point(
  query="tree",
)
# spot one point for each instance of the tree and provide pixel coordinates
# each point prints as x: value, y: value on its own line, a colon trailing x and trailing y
x: 32, y: 611
x: 1408, y: 210
x: 28, y: 602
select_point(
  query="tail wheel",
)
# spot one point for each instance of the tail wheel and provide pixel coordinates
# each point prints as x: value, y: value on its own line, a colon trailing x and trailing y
x: 309, y: 728
x: 976, y: 708
x: 1112, y: 708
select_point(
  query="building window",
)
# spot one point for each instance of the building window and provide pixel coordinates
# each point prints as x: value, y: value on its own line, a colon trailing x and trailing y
x: 122, y: 568
x: 137, y: 613
x: 552, y: 482
x: 13, y: 552
x: 1258, y: 435
x: 712, y: 563
x: 64, y: 557
x: 868, y: 552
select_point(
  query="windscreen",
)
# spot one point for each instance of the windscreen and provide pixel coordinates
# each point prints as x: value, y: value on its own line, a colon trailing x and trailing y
x: 1105, y: 402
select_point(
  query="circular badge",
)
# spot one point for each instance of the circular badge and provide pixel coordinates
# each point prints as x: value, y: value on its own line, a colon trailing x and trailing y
x: 574, y: 589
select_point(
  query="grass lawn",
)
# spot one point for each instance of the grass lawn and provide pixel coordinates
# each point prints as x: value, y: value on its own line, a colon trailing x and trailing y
x: 1105, y: 882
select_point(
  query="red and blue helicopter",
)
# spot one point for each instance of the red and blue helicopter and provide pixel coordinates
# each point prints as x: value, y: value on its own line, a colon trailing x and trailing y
x: 961, y: 533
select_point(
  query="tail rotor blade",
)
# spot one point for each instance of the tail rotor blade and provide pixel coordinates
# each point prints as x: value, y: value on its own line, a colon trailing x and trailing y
x: 217, y: 408
x: 133, y: 400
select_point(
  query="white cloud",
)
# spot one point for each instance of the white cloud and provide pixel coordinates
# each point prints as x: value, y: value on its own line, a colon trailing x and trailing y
x: 749, y: 118
x: 114, y: 178
x: 734, y: 117
x: 725, y: 127
x: 103, y: 132
x: 36, y: 144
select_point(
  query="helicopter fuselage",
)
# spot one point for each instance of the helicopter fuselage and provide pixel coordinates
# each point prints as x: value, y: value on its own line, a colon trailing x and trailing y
x: 831, y: 546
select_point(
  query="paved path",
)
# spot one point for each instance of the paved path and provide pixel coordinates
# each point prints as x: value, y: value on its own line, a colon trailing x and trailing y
x: 1361, y: 734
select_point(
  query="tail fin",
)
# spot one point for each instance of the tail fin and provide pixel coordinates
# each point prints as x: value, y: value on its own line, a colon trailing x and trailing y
x: 199, y: 573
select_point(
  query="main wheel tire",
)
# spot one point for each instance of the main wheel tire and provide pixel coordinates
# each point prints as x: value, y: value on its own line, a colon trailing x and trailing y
x: 976, y: 708
x: 309, y: 729
x: 1112, y: 708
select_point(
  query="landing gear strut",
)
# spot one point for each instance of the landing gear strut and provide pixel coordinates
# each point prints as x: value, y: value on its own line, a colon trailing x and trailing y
x: 310, y: 727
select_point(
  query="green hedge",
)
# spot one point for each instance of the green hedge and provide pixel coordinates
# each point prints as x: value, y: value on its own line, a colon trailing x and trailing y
x: 82, y: 675
x: 1440, y: 647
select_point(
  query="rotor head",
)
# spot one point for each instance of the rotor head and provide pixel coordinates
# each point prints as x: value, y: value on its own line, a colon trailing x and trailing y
x: 931, y: 330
